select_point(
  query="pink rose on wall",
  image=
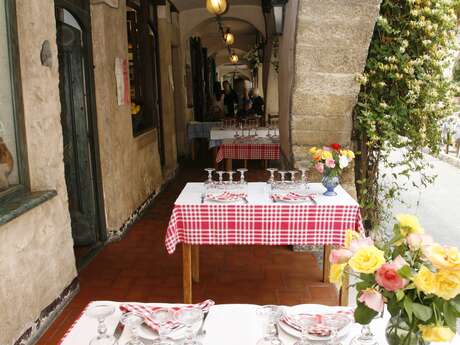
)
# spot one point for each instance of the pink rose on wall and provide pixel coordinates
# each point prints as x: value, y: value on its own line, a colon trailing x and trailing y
x: 387, y: 276
x: 340, y: 256
x: 355, y: 245
x: 330, y: 163
x: 419, y: 241
x: 372, y: 299
x: 319, y: 167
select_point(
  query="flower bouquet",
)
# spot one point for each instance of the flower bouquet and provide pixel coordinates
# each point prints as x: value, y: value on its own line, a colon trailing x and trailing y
x: 417, y: 279
x: 330, y: 161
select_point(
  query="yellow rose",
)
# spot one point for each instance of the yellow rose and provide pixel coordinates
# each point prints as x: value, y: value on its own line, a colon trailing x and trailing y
x: 318, y: 154
x: 350, y: 235
x: 425, y: 280
x: 350, y: 154
x: 313, y: 150
x: 336, y: 274
x: 326, y: 155
x: 447, y: 284
x: 436, y: 333
x: 367, y: 260
x: 444, y: 257
x: 409, y: 224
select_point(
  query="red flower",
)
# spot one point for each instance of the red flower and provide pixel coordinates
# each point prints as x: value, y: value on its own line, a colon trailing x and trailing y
x: 336, y: 147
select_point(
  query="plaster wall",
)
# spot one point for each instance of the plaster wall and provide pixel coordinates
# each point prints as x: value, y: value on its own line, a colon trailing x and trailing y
x: 130, y: 166
x: 36, y: 254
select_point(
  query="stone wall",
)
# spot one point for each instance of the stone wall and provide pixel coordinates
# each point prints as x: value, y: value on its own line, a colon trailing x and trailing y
x: 36, y: 254
x: 332, y: 41
x: 131, y: 169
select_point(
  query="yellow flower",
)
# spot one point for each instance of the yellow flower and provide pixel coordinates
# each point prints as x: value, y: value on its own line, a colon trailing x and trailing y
x: 436, y: 333
x: 336, y: 274
x: 313, y: 150
x: 350, y: 154
x: 318, y: 155
x: 326, y: 155
x: 444, y: 257
x: 447, y: 284
x: 425, y: 280
x: 350, y: 235
x: 367, y: 260
x: 409, y: 224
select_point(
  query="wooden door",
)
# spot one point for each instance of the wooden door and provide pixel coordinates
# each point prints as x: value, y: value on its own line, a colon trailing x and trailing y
x: 77, y: 145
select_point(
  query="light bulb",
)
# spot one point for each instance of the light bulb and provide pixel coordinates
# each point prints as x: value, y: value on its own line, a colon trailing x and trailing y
x: 234, y: 58
x: 229, y: 38
x: 216, y: 7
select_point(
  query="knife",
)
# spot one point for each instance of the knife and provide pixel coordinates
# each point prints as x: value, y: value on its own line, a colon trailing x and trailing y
x: 118, y: 330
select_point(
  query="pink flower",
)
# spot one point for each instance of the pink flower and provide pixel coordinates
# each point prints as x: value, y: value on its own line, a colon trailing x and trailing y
x: 340, y: 256
x: 372, y: 299
x: 355, y: 245
x: 387, y: 276
x: 418, y: 241
x: 330, y: 163
x: 319, y: 167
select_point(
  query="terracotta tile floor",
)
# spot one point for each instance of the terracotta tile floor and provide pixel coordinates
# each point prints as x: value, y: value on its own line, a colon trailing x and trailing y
x: 138, y: 268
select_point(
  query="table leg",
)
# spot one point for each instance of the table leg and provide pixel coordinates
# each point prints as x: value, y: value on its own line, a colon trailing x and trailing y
x: 343, y: 294
x: 187, y: 272
x: 326, y: 263
x: 196, y: 263
x: 245, y: 163
x: 228, y: 164
x: 214, y: 155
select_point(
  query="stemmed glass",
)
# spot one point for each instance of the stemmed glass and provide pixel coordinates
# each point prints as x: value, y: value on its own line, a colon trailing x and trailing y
x: 209, y: 181
x: 132, y: 321
x: 283, y: 177
x: 190, y: 317
x: 221, y: 177
x: 293, y: 173
x: 230, y: 176
x: 272, y: 175
x: 237, y: 134
x: 365, y: 338
x: 270, y: 315
x: 100, y: 312
x: 303, y: 177
x: 242, y: 179
x: 304, y: 322
x: 163, y: 317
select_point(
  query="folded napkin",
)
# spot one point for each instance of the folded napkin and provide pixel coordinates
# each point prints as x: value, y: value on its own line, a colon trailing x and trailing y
x: 146, y: 310
x: 293, y: 196
x: 226, y: 196
x: 318, y: 328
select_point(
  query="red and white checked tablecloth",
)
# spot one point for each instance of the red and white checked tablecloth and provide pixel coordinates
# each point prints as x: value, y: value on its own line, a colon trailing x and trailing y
x: 248, y: 150
x: 287, y: 224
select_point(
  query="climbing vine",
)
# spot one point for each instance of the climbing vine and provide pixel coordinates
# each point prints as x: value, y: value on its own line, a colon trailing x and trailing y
x: 404, y: 95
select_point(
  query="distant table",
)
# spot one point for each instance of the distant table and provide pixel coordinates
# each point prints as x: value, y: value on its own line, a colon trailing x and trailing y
x: 217, y: 135
x: 200, y: 130
x: 226, y: 324
x: 260, y: 221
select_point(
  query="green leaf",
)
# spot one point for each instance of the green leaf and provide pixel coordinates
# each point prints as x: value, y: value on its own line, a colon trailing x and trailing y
x: 405, y: 272
x: 450, y: 316
x: 363, y: 286
x: 399, y: 295
x: 422, y: 312
x: 364, y: 315
x: 393, y: 307
x: 455, y: 303
x: 408, y: 307
x: 370, y: 278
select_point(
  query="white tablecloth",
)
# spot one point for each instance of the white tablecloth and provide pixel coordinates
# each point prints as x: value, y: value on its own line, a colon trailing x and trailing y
x: 259, y: 194
x: 227, y: 324
x: 221, y: 134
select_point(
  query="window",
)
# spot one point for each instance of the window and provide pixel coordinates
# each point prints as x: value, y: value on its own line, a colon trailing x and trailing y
x: 11, y: 165
x: 142, y: 65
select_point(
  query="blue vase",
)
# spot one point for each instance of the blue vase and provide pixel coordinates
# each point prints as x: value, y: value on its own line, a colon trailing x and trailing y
x: 330, y: 182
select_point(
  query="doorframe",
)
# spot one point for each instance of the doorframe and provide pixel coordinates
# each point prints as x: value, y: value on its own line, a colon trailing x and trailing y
x: 84, y: 18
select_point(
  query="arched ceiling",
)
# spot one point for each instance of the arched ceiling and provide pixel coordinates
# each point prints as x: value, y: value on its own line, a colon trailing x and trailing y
x: 183, y: 5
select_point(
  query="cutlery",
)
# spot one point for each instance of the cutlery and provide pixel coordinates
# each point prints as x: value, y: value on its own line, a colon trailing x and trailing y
x: 201, y: 330
x: 118, y: 330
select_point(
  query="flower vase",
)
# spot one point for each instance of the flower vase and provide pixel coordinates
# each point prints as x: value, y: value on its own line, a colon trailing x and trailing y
x: 398, y: 332
x: 330, y: 182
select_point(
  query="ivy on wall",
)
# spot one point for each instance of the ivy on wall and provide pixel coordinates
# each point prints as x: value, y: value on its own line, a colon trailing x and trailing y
x: 404, y: 95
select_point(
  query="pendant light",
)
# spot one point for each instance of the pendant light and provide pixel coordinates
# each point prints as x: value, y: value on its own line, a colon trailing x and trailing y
x: 216, y: 7
x: 234, y: 58
x: 229, y: 38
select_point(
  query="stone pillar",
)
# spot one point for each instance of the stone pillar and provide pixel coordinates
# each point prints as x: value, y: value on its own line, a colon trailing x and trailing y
x: 331, y: 45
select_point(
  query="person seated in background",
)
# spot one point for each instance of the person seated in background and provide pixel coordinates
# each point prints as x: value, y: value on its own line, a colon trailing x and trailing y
x: 230, y: 98
x: 258, y: 103
x: 245, y: 104
x: 216, y: 106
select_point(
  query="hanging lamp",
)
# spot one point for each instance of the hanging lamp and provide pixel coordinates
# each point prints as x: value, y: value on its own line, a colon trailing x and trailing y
x: 216, y: 7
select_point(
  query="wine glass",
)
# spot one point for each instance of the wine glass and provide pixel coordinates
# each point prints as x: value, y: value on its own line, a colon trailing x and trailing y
x: 293, y: 173
x: 237, y: 127
x: 365, y: 338
x: 230, y: 176
x: 100, y: 312
x: 303, y: 177
x: 209, y: 181
x: 283, y: 178
x: 132, y: 321
x: 221, y: 176
x: 242, y: 179
x: 272, y: 175
x: 270, y: 315
x: 304, y: 322
x: 190, y: 317
x: 163, y: 317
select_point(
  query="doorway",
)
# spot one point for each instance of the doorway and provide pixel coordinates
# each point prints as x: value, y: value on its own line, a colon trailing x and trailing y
x: 79, y: 130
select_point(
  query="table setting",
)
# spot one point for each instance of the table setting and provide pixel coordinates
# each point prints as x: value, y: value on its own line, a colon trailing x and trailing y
x: 109, y: 323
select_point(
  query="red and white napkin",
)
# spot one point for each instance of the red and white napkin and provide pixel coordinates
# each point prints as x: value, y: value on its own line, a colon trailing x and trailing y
x: 318, y: 328
x: 146, y: 310
x: 226, y: 196
x: 293, y: 196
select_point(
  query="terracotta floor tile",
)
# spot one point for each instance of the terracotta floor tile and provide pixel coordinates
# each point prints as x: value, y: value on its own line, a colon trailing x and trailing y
x: 137, y: 268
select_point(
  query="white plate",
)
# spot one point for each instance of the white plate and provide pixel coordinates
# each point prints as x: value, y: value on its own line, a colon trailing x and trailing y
x: 300, y: 201
x: 180, y: 333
